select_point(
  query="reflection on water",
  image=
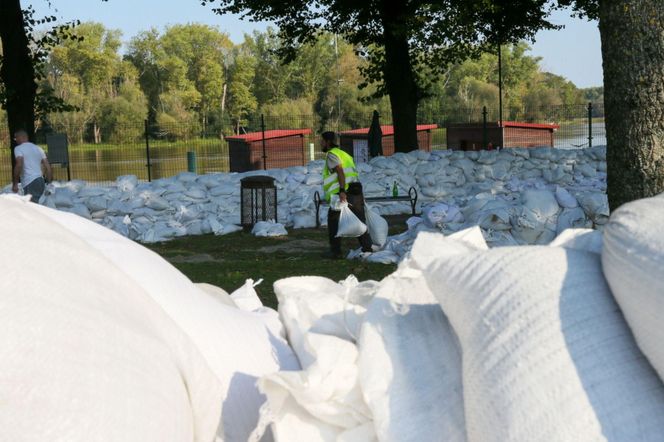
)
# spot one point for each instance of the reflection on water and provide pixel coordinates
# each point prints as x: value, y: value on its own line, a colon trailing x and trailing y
x: 104, y: 165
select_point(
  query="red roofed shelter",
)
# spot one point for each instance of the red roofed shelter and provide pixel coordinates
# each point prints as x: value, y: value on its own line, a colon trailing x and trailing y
x: 283, y: 148
x: 470, y: 136
x: 354, y: 141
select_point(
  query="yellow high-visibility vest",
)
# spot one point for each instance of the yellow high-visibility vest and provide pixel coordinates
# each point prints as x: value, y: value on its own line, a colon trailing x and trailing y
x: 331, y: 178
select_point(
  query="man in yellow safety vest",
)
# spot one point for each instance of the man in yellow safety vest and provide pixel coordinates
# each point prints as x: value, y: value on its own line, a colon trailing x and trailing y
x: 340, y: 178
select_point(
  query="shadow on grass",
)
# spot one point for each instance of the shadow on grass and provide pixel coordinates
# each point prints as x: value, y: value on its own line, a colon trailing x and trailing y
x: 231, y: 259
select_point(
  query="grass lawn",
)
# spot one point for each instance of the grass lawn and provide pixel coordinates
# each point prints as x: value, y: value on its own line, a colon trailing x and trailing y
x: 227, y: 261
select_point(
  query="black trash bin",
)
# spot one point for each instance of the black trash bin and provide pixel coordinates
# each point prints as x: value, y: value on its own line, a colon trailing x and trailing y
x: 258, y: 200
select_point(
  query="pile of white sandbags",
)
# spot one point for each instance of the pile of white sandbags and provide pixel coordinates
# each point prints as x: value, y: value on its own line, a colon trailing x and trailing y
x: 468, y: 343
x: 487, y: 188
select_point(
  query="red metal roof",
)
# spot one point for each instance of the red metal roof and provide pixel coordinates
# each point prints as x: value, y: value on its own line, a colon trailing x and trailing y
x: 530, y: 125
x: 269, y: 134
x: 387, y: 130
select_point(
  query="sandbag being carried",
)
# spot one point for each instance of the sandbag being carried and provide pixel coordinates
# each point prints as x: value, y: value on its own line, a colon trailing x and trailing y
x: 377, y: 225
x: 349, y: 225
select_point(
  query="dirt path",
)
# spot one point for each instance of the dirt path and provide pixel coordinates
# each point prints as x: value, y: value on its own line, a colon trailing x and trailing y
x: 296, y: 246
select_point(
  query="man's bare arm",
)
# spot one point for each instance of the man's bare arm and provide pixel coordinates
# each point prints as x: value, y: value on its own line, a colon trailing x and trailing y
x: 47, y: 167
x: 18, y: 168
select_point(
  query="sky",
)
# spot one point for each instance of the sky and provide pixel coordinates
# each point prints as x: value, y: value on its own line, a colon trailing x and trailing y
x: 574, y: 52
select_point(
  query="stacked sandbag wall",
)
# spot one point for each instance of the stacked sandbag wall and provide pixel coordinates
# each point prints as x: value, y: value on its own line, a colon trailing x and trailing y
x: 520, y: 196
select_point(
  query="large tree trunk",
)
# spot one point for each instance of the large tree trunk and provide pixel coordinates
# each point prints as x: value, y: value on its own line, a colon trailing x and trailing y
x: 17, y: 72
x: 399, y: 78
x: 632, y: 34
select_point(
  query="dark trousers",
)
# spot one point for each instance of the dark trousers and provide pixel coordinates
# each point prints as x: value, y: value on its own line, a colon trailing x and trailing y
x: 35, y: 189
x: 356, y: 204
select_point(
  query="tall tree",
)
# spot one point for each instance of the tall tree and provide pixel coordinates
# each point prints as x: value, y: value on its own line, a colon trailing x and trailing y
x: 17, y: 71
x: 399, y: 37
x: 241, y: 100
x: 632, y: 34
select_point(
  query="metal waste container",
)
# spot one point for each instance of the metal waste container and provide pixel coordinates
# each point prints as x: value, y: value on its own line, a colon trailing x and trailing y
x: 258, y: 200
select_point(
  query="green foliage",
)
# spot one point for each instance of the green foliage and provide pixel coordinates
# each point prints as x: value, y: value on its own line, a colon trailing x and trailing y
x: 120, y: 114
x: 593, y: 94
x: 175, y: 119
x: 473, y: 84
x: 88, y: 73
x: 182, y: 71
x: 241, y: 101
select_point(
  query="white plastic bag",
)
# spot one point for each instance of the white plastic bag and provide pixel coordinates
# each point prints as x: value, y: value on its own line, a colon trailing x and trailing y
x: 349, y: 225
x: 377, y: 226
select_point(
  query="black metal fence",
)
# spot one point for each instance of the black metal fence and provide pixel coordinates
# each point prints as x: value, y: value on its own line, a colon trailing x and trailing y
x: 151, y: 152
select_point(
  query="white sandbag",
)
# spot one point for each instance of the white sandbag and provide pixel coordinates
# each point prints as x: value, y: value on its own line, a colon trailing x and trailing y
x: 184, y: 214
x: 186, y: 177
x: 572, y: 219
x: 305, y: 219
x: 321, y: 403
x: 586, y: 170
x: 531, y: 227
x: 91, y: 191
x: 224, y: 189
x: 96, y: 203
x: 542, y: 202
x: 126, y: 183
x: 350, y: 225
x: 196, y: 193
x: 565, y: 199
x: 410, y: 365
x: 596, y: 206
x: 269, y: 229
x: 437, y: 215
x: 80, y: 364
x: 430, y: 246
x: 64, y: 197
x: 246, y: 298
x: 546, y: 352
x: 80, y: 210
x: 377, y: 226
x: 219, y: 228
x: 313, y: 179
x: 157, y: 203
x: 633, y: 262
x: 118, y: 207
x: 588, y: 240
x: 210, y: 180
x: 222, y: 334
x: 317, y: 304
x: 194, y: 227
x: 381, y: 257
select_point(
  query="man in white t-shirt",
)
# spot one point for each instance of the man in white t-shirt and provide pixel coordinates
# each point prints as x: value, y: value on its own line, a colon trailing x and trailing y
x: 31, y: 163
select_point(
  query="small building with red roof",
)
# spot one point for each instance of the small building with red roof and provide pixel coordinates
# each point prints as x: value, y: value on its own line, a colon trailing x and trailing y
x: 281, y: 148
x: 353, y: 141
x: 474, y: 136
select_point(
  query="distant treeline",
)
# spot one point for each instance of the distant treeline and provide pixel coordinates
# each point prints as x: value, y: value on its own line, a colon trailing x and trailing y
x: 193, y: 79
